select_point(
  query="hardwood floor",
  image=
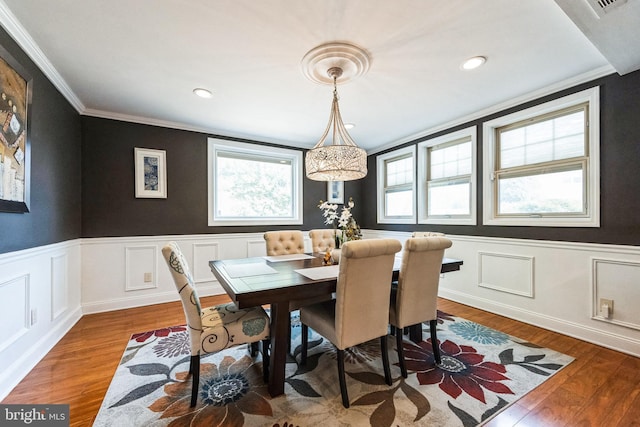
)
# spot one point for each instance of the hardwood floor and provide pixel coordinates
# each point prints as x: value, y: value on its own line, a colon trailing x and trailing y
x: 600, y: 388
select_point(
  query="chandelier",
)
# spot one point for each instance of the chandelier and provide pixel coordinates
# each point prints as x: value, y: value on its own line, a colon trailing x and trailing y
x: 342, y: 159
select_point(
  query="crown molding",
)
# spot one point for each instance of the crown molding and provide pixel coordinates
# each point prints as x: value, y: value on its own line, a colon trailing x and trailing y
x: 17, y: 32
x: 102, y: 114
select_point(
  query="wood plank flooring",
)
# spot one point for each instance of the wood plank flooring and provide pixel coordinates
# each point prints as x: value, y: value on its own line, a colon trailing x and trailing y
x: 600, y: 388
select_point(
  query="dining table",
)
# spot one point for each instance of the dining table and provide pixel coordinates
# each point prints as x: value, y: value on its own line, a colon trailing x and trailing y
x: 277, y: 280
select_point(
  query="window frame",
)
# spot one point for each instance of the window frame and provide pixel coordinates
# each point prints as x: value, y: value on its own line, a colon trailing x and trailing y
x: 381, y: 161
x: 423, y: 173
x: 215, y: 145
x: 591, y: 159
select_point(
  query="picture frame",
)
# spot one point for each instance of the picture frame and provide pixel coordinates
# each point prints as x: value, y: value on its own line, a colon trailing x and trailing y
x: 150, y: 173
x: 15, y: 130
x: 335, y: 192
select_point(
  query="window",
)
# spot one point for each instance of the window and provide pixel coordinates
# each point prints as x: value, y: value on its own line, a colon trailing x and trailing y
x: 543, y: 164
x: 253, y: 184
x: 447, y: 179
x: 396, y: 187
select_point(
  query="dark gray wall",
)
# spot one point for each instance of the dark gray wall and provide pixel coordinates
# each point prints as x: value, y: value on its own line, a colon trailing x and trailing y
x: 55, y: 208
x: 82, y: 176
x: 109, y: 205
x: 619, y: 173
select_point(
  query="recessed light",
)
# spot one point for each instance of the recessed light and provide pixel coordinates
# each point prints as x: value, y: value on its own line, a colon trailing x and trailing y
x: 202, y: 93
x: 473, y: 62
x: 349, y: 125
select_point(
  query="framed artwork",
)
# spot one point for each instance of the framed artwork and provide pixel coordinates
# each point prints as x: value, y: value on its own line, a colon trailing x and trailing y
x: 151, y: 173
x: 335, y: 191
x: 15, y: 150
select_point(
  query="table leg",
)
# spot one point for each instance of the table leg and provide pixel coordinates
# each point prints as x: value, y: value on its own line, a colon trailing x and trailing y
x: 279, y: 335
x: 415, y: 333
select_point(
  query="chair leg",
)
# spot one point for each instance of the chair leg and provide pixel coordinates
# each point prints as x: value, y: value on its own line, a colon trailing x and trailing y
x: 305, y: 342
x: 434, y: 340
x: 343, y: 381
x: 265, y: 359
x: 253, y: 349
x: 385, y: 359
x: 403, y: 368
x: 195, y: 373
x: 289, y: 335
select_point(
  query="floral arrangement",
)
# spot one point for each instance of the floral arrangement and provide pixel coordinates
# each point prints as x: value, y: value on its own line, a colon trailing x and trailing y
x: 345, y: 225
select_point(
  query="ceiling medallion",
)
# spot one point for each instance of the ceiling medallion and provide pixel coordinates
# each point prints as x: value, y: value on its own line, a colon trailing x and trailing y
x: 353, y: 60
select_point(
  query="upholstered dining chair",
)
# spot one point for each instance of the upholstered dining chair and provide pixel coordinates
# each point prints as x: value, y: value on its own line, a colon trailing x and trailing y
x: 322, y: 239
x: 415, y: 296
x: 214, y: 328
x: 360, y: 311
x: 284, y: 242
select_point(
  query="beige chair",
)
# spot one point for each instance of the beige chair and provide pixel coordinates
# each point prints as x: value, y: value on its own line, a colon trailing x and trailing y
x: 288, y: 242
x: 415, y: 298
x: 322, y: 239
x: 360, y: 311
x: 427, y: 234
x: 214, y: 328
x: 284, y: 242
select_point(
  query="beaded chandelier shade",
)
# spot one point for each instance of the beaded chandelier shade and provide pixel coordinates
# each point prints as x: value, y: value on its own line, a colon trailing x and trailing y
x: 342, y: 159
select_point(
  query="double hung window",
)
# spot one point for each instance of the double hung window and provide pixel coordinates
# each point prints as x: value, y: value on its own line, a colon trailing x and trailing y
x: 396, y: 187
x: 542, y: 164
x: 447, y: 190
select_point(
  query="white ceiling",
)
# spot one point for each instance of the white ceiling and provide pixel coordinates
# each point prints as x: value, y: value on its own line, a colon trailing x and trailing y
x: 140, y: 60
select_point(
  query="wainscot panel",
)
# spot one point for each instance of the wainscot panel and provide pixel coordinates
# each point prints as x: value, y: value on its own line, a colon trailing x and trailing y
x: 40, y: 302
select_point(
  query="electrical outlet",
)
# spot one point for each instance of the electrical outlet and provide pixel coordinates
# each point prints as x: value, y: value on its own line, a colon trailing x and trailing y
x: 148, y: 277
x: 606, y: 308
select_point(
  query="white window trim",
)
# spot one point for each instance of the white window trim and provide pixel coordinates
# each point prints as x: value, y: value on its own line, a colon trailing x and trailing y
x: 214, y: 145
x: 423, y: 218
x: 592, y: 96
x: 382, y: 219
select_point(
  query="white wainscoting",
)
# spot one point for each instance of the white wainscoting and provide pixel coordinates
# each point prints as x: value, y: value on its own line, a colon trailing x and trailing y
x: 39, y: 303
x: 113, y: 268
x: 555, y: 285
x: 565, y: 281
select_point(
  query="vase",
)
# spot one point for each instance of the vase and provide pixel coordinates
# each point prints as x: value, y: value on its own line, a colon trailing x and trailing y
x: 335, y: 255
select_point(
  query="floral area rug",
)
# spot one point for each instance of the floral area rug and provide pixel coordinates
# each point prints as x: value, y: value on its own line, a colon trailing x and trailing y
x: 483, y: 371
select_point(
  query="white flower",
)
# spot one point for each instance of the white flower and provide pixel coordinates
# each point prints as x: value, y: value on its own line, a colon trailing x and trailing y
x: 345, y: 216
x: 344, y: 221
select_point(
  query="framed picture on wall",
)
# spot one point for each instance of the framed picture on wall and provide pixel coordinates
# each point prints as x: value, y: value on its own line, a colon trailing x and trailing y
x: 15, y: 126
x: 151, y: 173
x: 335, y: 191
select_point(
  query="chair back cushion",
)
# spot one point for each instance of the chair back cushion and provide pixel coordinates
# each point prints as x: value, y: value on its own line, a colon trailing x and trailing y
x: 284, y: 242
x: 363, y: 290
x: 416, y: 298
x: 188, y: 295
x: 322, y: 239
